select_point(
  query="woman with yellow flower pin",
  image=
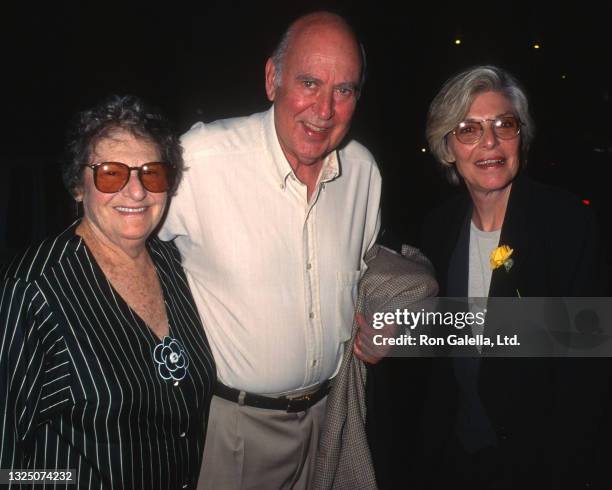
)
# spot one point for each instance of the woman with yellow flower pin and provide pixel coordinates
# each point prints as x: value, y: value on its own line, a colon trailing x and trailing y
x: 501, y: 423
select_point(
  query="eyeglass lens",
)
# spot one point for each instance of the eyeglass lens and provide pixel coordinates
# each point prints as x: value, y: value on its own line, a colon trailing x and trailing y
x: 113, y: 176
x: 503, y: 127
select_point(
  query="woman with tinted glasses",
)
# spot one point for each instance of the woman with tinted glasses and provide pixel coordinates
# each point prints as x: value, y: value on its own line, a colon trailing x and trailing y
x: 105, y: 370
x: 507, y: 423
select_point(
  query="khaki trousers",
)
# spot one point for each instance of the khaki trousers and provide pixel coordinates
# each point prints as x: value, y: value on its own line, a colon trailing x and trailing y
x: 256, y: 448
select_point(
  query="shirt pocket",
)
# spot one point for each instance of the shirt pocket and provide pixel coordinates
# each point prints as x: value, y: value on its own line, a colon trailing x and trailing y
x: 346, y: 298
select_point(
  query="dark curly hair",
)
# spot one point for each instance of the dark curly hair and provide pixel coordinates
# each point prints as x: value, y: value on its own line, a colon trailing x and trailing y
x: 128, y: 113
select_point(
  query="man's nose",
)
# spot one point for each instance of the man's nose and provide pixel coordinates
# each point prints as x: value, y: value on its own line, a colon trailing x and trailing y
x: 325, y: 105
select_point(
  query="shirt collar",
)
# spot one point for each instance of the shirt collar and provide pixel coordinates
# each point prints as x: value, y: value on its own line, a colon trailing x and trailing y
x: 331, y: 167
x: 329, y: 171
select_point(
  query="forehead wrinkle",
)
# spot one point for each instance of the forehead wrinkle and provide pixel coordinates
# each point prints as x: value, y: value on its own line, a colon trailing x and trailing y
x: 321, y: 67
x: 503, y: 114
x: 123, y: 143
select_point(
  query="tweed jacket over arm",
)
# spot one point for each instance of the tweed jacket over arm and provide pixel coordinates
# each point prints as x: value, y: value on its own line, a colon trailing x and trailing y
x: 391, y: 281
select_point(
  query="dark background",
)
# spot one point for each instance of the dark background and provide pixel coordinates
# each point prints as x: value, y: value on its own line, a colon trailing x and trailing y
x: 207, y: 62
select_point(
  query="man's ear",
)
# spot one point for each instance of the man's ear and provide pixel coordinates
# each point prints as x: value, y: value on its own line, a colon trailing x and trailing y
x: 270, y: 80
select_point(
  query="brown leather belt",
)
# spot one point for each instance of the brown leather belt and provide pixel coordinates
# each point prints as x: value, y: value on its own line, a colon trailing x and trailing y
x: 297, y: 404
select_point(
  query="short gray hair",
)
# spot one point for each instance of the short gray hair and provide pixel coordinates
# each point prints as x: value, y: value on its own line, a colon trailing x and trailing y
x: 280, y: 52
x: 452, y: 103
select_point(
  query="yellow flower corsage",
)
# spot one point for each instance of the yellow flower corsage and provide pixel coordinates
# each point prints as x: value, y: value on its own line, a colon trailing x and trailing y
x: 501, y: 256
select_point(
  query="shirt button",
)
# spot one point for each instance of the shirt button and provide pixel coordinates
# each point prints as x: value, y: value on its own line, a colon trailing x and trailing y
x: 185, y: 485
x: 314, y: 363
x: 311, y: 315
x: 182, y: 434
x: 282, y: 186
x: 308, y: 266
x: 176, y: 383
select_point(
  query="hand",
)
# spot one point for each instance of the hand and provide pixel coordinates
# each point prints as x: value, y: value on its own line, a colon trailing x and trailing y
x: 364, y: 347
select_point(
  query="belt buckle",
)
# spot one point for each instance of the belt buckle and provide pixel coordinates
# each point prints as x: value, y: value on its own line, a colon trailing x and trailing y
x: 298, y: 400
x: 303, y: 398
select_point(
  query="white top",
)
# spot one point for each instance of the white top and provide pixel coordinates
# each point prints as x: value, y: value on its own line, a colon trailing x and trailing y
x: 482, y: 243
x: 274, y: 276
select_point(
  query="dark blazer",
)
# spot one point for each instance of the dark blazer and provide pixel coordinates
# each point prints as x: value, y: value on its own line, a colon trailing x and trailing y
x: 546, y: 414
x: 554, y: 236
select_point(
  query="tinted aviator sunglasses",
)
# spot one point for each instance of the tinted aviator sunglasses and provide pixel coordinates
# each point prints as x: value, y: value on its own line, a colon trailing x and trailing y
x: 110, y: 177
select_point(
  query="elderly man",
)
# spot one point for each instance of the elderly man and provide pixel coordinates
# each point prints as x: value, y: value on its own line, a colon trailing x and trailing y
x: 273, y: 221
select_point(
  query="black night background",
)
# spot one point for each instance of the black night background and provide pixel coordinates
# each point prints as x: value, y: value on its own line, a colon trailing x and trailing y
x: 206, y: 61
